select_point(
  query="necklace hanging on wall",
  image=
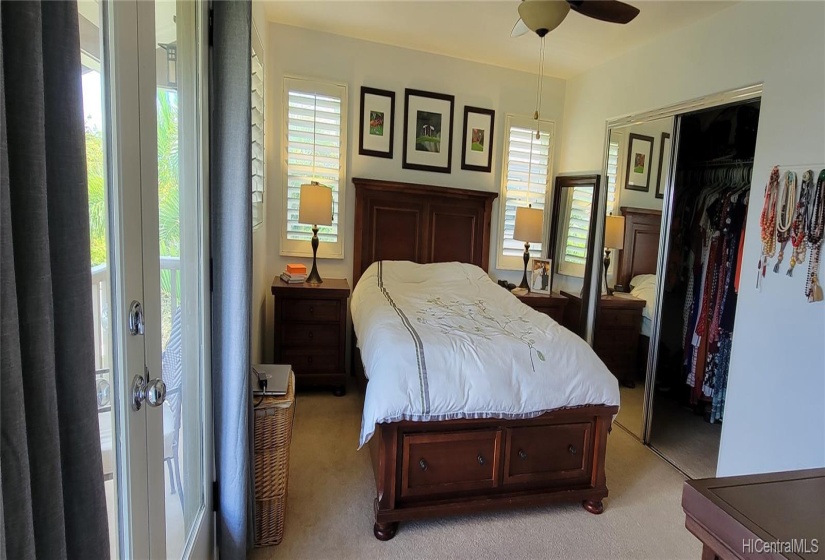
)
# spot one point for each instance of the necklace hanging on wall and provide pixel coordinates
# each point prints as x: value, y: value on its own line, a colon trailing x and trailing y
x: 798, y: 244
x: 786, y: 202
x: 815, y: 229
x: 767, y: 221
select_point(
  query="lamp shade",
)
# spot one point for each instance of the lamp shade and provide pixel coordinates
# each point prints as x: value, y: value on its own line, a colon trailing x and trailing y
x: 528, y: 225
x: 315, y: 206
x: 614, y: 232
x: 542, y: 16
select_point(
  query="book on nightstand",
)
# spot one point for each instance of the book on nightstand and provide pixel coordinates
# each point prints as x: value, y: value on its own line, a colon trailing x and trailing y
x: 293, y: 278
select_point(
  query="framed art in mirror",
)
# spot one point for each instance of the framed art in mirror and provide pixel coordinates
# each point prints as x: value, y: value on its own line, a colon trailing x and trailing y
x: 377, y: 122
x: 477, y: 139
x: 664, y: 164
x: 428, y: 131
x: 639, y: 154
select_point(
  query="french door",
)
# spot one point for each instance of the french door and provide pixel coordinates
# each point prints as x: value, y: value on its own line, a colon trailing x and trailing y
x: 144, y: 69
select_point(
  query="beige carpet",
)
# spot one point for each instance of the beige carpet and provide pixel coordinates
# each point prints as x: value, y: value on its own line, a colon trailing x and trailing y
x: 631, y: 413
x: 331, y: 492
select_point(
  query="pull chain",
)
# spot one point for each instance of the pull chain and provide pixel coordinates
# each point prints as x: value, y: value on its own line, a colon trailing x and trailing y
x: 539, y: 90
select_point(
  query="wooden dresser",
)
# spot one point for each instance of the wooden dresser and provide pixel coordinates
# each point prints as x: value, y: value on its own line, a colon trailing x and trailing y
x: 310, y: 331
x: 616, y: 336
x: 551, y: 305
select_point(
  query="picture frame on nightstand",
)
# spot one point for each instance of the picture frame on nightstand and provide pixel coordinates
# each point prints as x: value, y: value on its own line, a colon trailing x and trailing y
x: 541, y: 275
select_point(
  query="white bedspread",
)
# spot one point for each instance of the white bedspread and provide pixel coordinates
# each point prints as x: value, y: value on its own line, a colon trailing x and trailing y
x: 443, y: 341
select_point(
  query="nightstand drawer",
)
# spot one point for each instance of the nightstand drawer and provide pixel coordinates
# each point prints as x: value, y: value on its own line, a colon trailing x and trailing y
x: 312, y: 360
x: 619, y: 318
x: 313, y: 335
x: 310, y: 310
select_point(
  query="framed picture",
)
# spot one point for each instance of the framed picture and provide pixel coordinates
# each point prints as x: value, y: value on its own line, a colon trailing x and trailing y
x: 541, y: 271
x: 639, y: 152
x: 664, y: 164
x: 477, y: 139
x: 377, y: 122
x: 428, y: 131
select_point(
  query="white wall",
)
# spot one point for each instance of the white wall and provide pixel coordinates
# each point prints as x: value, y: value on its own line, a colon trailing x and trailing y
x: 774, y: 416
x: 355, y: 62
x: 260, y: 286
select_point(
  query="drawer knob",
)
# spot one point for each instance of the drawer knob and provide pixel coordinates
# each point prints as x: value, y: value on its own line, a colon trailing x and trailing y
x: 309, y: 359
x: 571, y: 449
x: 522, y: 454
x: 311, y: 334
x: 311, y: 310
x: 480, y: 459
x: 423, y: 464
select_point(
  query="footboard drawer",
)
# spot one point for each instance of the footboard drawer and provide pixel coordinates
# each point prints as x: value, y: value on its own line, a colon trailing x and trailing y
x: 444, y: 463
x: 542, y: 454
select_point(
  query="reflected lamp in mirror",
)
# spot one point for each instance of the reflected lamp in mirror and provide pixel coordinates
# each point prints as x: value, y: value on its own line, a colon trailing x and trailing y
x: 315, y: 208
x: 528, y: 228
x: 613, y: 239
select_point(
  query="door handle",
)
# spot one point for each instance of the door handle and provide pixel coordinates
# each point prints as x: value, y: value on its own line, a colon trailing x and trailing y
x: 152, y: 391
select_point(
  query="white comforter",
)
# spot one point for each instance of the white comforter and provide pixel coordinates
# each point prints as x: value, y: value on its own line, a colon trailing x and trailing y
x: 443, y: 341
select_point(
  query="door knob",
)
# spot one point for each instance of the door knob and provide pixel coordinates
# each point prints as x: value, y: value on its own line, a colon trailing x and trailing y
x: 152, y: 391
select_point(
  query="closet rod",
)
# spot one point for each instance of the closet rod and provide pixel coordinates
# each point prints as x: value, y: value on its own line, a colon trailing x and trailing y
x: 720, y: 164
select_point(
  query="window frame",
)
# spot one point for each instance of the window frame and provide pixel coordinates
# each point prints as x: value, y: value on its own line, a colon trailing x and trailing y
x: 546, y: 126
x: 299, y: 248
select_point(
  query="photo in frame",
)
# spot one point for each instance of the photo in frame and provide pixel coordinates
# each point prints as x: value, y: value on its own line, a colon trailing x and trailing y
x: 428, y: 131
x: 639, y: 152
x: 664, y: 164
x: 541, y: 271
x: 477, y: 139
x: 377, y: 122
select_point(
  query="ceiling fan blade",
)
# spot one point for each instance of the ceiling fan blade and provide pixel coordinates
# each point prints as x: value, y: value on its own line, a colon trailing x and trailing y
x: 519, y: 29
x: 611, y: 11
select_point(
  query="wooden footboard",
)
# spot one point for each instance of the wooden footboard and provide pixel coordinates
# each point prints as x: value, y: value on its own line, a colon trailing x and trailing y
x: 428, y: 469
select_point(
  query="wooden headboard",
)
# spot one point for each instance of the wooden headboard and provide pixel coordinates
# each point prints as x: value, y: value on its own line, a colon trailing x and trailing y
x: 640, y: 254
x: 420, y: 223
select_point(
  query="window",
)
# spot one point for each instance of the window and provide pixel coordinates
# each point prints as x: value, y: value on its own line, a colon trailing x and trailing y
x: 524, y: 180
x: 573, y: 253
x: 314, y: 150
x: 612, y: 169
x: 258, y: 181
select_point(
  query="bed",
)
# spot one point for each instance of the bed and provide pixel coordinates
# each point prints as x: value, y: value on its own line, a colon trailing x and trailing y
x: 438, y: 465
x: 637, y: 265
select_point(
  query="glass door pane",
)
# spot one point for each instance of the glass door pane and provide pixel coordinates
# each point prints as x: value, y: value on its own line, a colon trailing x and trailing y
x: 93, y: 82
x: 180, y: 228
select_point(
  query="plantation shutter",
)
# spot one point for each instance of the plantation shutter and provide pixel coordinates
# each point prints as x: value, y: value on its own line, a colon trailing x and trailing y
x: 526, y: 172
x: 313, y: 152
x: 257, y: 140
x: 612, y: 171
x: 578, y: 225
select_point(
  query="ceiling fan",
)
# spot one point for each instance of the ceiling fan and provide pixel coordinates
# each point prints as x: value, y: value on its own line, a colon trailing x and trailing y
x: 543, y: 16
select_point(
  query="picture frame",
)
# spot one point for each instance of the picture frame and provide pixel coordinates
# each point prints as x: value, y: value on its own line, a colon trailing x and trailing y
x: 541, y: 275
x: 377, y: 127
x: 665, y: 145
x: 477, y: 139
x: 428, y: 124
x: 637, y: 170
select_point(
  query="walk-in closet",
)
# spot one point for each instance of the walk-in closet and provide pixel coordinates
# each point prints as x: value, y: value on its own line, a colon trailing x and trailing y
x: 681, y: 255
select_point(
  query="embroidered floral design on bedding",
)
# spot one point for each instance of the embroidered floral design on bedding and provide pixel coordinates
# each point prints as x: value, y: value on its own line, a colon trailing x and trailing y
x: 474, y: 320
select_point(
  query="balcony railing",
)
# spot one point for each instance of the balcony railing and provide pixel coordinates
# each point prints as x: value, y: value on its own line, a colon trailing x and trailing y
x: 101, y: 305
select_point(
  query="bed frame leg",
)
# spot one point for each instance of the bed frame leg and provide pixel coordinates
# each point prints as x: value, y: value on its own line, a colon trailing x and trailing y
x: 384, y: 531
x: 593, y: 506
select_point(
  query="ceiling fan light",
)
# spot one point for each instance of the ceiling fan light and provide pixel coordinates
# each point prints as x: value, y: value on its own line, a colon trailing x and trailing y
x: 543, y: 16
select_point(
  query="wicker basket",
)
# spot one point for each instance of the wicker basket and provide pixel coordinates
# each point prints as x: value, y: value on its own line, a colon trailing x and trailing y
x: 273, y: 433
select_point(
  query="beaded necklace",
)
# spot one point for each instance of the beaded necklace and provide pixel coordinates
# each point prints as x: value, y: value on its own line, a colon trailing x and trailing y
x: 815, y: 229
x: 799, y: 220
x: 767, y: 221
x: 787, y: 203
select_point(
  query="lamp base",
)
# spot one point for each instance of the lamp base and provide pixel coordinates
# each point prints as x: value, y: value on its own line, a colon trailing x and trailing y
x: 606, y: 266
x: 314, y: 278
x: 524, y: 284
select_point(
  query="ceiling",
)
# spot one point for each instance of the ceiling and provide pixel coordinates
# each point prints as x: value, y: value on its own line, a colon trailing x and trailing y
x: 480, y: 30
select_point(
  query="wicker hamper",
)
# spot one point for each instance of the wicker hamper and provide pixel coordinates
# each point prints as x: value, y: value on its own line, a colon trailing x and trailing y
x: 273, y: 433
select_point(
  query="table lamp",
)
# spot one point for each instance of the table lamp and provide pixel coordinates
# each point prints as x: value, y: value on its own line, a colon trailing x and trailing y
x: 613, y: 239
x: 315, y: 207
x: 528, y: 228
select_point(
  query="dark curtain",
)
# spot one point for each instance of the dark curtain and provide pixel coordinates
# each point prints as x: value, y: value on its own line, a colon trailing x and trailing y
x: 53, y: 500
x: 231, y: 238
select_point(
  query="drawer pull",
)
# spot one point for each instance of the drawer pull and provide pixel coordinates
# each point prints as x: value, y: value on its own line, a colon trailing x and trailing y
x: 311, y: 334
x: 309, y: 359
x: 480, y: 459
x: 571, y: 449
x: 423, y: 464
x: 522, y: 454
x: 311, y: 310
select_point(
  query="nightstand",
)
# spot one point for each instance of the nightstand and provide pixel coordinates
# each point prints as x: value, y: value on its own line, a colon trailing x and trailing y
x: 310, y: 331
x: 616, y: 337
x: 551, y: 305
